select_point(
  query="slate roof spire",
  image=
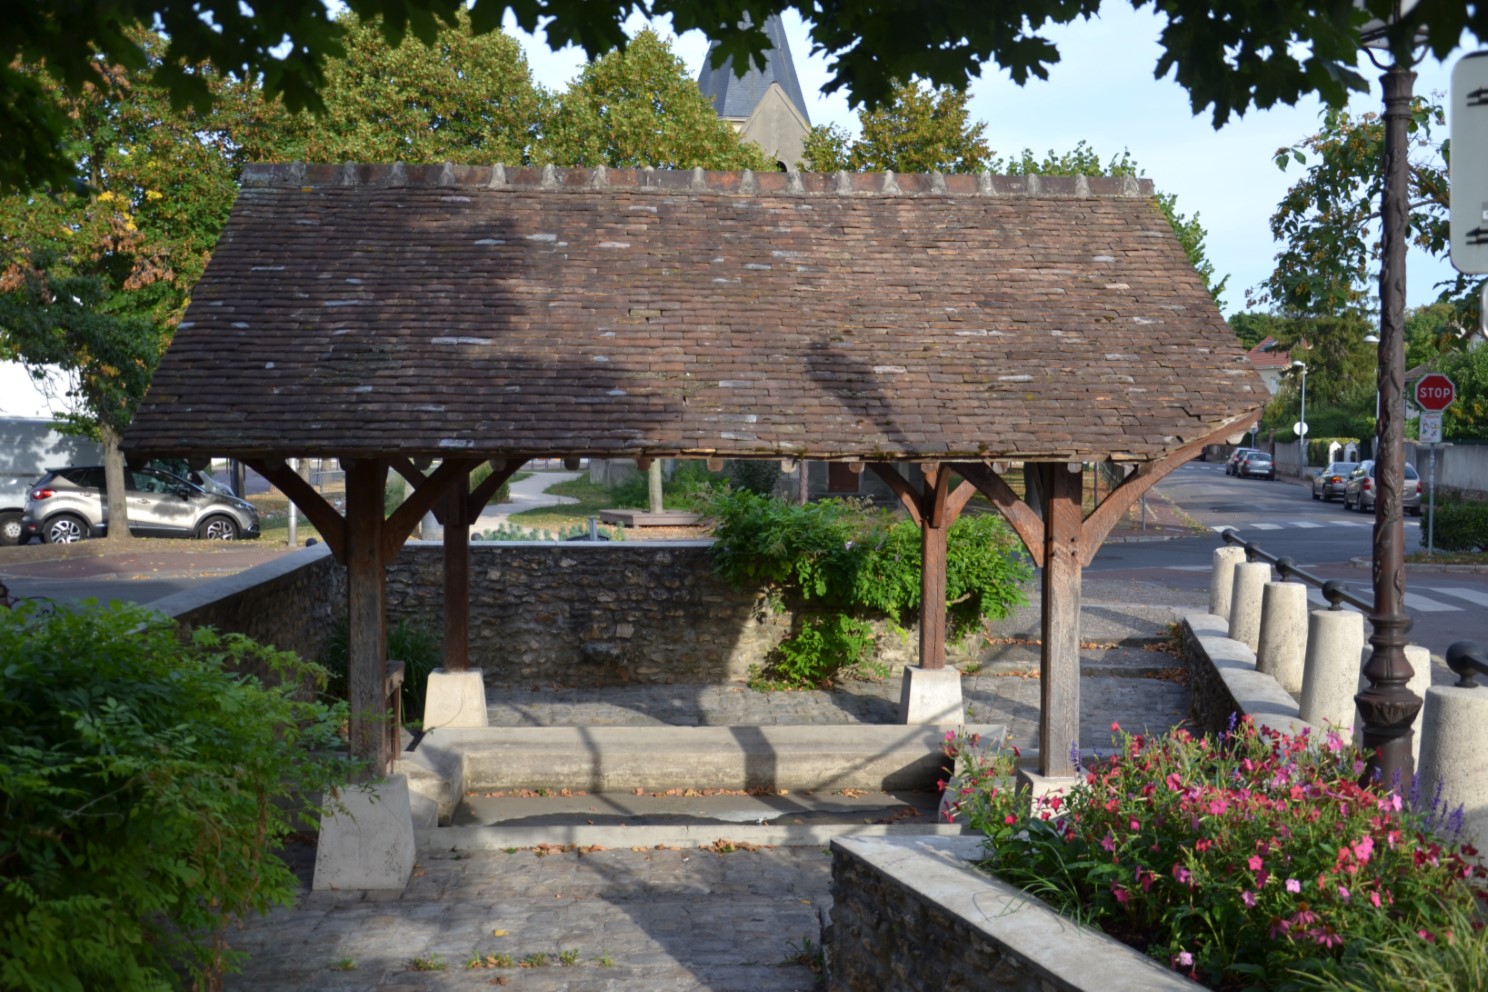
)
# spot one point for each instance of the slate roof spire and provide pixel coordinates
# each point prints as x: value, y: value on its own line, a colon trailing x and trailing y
x: 735, y: 97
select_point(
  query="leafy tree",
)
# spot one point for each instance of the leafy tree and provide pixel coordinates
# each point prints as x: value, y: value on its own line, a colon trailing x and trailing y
x: 464, y: 98
x: 1328, y: 220
x: 1083, y: 160
x: 93, y: 284
x: 920, y: 130
x: 1229, y: 54
x: 637, y: 107
x: 1467, y: 418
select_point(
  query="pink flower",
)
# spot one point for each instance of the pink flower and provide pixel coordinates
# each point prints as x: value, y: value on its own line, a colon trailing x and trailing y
x: 1182, y: 875
x: 1136, y: 824
x: 1255, y: 862
x: 1115, y: 727
x: 1121, y: 894
x: 1110, y: 842
x: 1364, y: 848
x: 1344, y: 894
x: 1248, y: 897
x: 1184, y: 959
x: 1374, y: 900
x: 1293, y: 886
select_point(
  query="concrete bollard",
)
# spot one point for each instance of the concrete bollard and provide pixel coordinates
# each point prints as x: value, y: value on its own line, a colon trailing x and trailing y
x: 1420, y: 680
x: 1330, y: 676
x: 1245, y: 602
x: 1283, y: 638
x: 1454, y: 738
x: 1222, y: 579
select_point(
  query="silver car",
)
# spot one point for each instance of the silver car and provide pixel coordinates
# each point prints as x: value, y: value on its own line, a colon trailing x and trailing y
x: 1359, y: 493
x: 68, y: 505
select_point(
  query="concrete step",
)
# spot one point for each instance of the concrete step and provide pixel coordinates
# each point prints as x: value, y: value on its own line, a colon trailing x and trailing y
x: 824, y: 758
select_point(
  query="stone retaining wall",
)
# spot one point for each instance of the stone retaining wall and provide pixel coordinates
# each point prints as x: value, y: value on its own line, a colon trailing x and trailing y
x: 911, y: 914
x: 569, y: 613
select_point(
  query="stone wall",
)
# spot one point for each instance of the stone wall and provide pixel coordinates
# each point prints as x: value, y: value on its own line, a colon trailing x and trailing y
x: 294, y: 602
x: 581, y: 613
x: 911, y: 914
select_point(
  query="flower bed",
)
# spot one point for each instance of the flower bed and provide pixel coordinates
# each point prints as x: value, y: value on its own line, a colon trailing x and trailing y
x: 1252, y: 859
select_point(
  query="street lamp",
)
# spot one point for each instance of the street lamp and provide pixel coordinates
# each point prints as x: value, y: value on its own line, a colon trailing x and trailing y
x: 1302, y: 418
x: 1373, y: 338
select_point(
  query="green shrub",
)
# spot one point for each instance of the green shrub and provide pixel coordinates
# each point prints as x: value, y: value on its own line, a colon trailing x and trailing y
x: 754, y: 476
x: 1459, y: 526
x: 144, y: 785
x: 482, y: 472
x: 845, y: 558
x: 417, y: 643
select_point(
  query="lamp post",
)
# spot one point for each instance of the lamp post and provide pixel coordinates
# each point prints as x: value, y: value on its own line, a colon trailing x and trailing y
x: 1302, y: 418
x: 1373, y: 338
x: 1387, y: 705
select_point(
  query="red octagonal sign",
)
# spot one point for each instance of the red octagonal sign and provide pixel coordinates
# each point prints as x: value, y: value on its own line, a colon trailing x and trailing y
x: 1435, y: 392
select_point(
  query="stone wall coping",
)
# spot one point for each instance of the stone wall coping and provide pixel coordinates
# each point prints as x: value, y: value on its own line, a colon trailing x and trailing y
x: 1064, y: 954
x: 204, y: 594
x: 1256, y: 694
x: 579, y: 545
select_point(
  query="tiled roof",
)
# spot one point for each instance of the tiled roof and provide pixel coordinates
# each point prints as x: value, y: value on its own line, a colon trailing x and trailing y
x: 361, y: 310
x: 1267, y: 355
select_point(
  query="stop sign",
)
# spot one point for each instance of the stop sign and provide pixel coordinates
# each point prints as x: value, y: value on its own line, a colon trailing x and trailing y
x: 1435, y: 392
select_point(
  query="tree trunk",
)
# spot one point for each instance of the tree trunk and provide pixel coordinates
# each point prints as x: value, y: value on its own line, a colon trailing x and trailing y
x: 114, y: 485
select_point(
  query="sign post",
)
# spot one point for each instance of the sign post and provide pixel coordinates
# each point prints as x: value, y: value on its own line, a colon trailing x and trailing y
x: 1434, y: 393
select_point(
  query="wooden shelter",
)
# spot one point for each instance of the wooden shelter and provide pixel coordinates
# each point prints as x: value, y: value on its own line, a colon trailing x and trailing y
x: 391, y: 316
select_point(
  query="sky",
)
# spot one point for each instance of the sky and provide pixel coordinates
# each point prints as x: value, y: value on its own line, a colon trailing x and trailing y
x: 1102, y: 92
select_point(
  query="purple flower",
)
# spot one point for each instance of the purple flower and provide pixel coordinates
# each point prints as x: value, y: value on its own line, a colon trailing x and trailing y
x: 1248, y: 897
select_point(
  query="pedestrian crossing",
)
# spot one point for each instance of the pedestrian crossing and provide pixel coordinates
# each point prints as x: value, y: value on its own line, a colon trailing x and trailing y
x: 1434, y: 599
x: 1362, y: 524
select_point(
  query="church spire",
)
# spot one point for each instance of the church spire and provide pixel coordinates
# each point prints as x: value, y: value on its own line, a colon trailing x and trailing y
x: 736, y: 97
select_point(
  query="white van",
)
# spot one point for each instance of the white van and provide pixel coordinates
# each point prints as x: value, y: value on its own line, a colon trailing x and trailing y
x: 29, y: 447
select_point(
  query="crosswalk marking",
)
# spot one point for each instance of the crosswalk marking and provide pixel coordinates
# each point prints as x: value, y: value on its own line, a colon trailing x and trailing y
x: 1416, y: 601
x: 1308, y: 524
x: 1296, y: 525
x: 1264, y: 526
x: 1471, y: 595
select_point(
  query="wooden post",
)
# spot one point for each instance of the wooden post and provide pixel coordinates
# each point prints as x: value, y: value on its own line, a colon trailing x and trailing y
x: 933, y: 524
x: 457, y: 575
x: 366, y: 596
x: 1059, y: 664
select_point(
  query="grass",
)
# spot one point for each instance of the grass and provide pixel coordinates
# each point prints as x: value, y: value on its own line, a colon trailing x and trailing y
x: 592, y: 497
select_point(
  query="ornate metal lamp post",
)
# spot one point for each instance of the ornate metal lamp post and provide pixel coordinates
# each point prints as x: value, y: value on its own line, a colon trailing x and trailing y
x: 1388, y: 707
x: 1302, y: 419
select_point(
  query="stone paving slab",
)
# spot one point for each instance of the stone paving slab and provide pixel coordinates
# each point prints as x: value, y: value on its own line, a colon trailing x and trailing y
x: 662, y: 919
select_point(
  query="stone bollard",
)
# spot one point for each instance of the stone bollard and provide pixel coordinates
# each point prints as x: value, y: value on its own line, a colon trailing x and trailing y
x: 1454, y: 738
x: 1245, y: 602
x: 1222, y: 579
x: 1330, y: 676
x: 1283, y: 639
x: 1420, y: 681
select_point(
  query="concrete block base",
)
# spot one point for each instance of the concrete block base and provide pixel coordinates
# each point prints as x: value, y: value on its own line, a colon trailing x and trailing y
x: 369, y: 842
x: 455, y: 699
x: 931, y: 696
x: 1039, y: 786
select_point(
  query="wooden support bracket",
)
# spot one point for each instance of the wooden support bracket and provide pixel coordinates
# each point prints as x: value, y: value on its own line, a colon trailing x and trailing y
x: 419, y: 502
x: 1020, y: 516
x: 330, y: 524
x: 481, y: 494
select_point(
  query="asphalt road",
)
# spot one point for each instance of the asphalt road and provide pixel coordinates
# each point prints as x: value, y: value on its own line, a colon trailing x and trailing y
x: 1323, y: 538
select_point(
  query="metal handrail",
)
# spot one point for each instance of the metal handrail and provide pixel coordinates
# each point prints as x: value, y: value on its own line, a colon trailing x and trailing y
x: 1467, y: 659
x: 1333, y: 590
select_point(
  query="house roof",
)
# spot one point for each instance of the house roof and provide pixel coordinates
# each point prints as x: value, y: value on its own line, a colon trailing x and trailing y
x: 355, y: 311
x: 737, y: 96
x: 1267, y: 355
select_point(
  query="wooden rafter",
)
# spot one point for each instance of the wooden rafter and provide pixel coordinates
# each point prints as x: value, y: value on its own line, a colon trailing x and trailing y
x: 419, y: 502
x: 481, y: 494
x: 1020, y: 516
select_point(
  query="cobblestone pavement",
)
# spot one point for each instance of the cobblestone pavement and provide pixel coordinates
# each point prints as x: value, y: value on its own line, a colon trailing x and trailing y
x: 655, y: 920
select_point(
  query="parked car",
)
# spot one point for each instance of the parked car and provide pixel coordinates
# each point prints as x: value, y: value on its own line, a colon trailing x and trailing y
x: 1358, y: 494
x: 1256, y: 465
x: 1331, y: 481
x: 1232, y: 466
x: 68, y: 505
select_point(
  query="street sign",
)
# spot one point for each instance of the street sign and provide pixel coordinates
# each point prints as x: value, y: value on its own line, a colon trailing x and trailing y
x: 1299, y: 429
x: 1431, y: 428
x: 1469, y: 132
x: 1435, y: 392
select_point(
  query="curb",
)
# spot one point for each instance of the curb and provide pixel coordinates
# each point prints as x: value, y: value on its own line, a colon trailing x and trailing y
x: 1427, y: 566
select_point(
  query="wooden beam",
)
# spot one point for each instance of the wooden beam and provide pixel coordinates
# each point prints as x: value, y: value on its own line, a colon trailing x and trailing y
x: 1019, y: 515
x: 456, y: 502
x: 933, y: 525
x: 901, y: 487
x: 957, y: 500
x: 1059, y: 662
x: 481, y: 494
x: 405, y: 518
x: 327, y: 521
x: 366, y: 614
x: 1131, y: 489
